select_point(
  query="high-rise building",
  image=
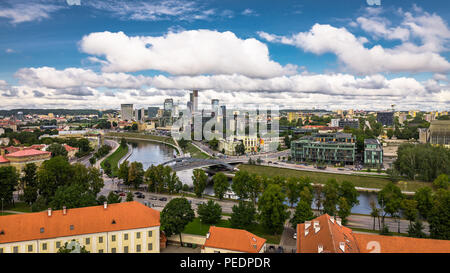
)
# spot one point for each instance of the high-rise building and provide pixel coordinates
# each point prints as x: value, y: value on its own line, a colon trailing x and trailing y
x: 215, y: 106
x: 386, y: 118
x: 152, y: 112
x: 195, y: 101
x: 168, y: 105
x: 139, y: 114
x: 127, y: 111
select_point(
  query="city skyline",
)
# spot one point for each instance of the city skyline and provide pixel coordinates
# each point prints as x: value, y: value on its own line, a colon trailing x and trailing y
x: 347, y: 56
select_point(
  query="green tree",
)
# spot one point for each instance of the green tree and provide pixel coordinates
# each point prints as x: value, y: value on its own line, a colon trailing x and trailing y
x: 292, y: 190
x: 393, y: 174
x: 210, y: 213
x: 53, y: 173
x: 214, y: 143
x: 123, y: 142
x: 375, y: 213
x: 39, y: 205
x: 113, y: 198
x: 441, y: 182
x: 439, y: 216
x: 240, y: 184
x: 123, y: 172
x: 344, y: 209
x: 331, y: 196
x: 243, y: 215
x: 220, y: 184
x: 409, y: 208
x: 57, y: 150
x: 240, y: 149
x: 199, y: 178
x: 9, y: 179
x: 129, y: 197
x: 67, y: 249
x: 272, y: 210
x: 303, y: 212
x: 72, y: 196
x: 349, y: 192
x: 416, y: 230
x: 390, y: 199
x: 424, y: 198
x: 175, y: 216
x: 135, y: 174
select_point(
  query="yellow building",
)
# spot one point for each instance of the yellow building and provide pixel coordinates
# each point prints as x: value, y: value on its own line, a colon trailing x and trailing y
x: 129, y: 227
x: 20, y: 158
x: 231, y: 240
x: 293, y: 116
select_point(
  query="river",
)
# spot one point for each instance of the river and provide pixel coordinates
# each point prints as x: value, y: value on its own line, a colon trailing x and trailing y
x: 149, y: 153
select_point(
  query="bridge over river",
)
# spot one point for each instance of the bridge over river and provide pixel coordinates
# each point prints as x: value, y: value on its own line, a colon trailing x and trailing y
x: 185, y: 163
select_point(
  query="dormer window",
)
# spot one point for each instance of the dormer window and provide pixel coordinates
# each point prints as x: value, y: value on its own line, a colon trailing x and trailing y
x: 42, y: 230
x: 113, y: 222
x: 71, y: 227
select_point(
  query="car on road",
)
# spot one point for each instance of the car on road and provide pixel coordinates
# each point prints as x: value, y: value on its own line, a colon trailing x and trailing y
x: 140, y: 196
x: 137, y: 193
x: 295, y: 236
x: 163, y: 199
x: 200, y: 203
x: 271, y: 248
x: 341, y: 169
x: 153, y: 197
x: 122, y: 194
x: 280, y: 249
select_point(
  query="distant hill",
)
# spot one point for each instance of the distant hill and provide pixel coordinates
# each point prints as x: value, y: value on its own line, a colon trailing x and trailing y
x: 54, y: 111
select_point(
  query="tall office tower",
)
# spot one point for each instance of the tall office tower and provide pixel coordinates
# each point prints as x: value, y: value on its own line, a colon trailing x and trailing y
x: 127, y: 111
x: 168, y: 105
x: 215, y: 106
x: 19, y: 116
x: 189, y: 106
x: 175, y: 111
x: 139, y: 114
x: 152, y: 111
x: 190, y: 103
x: 195, y: 101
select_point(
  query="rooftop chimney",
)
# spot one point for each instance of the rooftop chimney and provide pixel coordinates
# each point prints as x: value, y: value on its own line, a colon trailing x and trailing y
x: 316, y: 229
x: 338, y: 221
x: 319, y: 248
x: 342, y: 246
x: 105, y: 205
x: 49, y: 211
x: 307, y: 224
x: 306, y: 232
x: 332, y: 219
x: 64, y: 210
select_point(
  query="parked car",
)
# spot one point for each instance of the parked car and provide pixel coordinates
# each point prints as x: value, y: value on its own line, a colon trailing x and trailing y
x: 280, y: 249
x: 140, y: 196
x: 295, y: 236
x: 271, y: 248
x: 153, y: 197
x: 122, y: 194
x: 137, y: 193
x: 163, y: 199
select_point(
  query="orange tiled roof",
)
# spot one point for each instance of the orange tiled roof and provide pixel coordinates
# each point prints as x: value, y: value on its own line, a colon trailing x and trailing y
x: 330, y: 235
x: 234, y: 239
x: 69, y: 148
x: 127, y: 215
x: 27, y: 152
x: 396, y: 244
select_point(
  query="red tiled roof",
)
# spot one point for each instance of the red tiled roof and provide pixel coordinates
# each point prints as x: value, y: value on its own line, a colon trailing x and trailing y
x: 69, y: 148
x: 127, y: 215
x: 3, y: 160
x: 330, y: 235
x: 28, y: 152
x: 234, y: 239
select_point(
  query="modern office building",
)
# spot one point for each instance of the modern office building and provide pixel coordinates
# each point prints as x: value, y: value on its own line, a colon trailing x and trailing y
x: 215, y: 106
x: 386, y: 118
x: 127, y: 111
x: 327, y: 148
x: 195, y: 101
x: 373, y: 153
x: 168, y: 105
x: 128, y: 227
x: 139, y: 114
x: 437, y: 134
x: 352, y: 123
x: 152, y: 112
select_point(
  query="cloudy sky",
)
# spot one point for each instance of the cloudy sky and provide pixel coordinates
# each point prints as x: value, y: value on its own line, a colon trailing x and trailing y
x: 291, y: 54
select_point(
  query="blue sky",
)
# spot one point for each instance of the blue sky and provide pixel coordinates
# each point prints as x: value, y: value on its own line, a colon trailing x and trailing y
x: 334, y: 54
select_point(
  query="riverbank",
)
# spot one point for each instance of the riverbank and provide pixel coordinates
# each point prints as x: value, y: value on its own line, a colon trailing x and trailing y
x: 136, y: 136
x: 362, y: 182
x: 114, y: 159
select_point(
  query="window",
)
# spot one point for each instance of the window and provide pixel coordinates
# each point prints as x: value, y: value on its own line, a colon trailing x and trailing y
x: 100, y: 239
x: 150, y: 233
x: 150, y: 246
x: 71, y: 227
x: 88, y: 241
x: 125, y: 236
x: 113, y: 250
x: 100, y: 251
x: 30, y: 248
x: 44, y: 246
x: 138, y: 235
x: 113, y: 238
x: 125, y: 249
x: 58, y: 244
x: 41, y: 230
x: 1, y: 250
x: 16, y: 249
x: 138, y: 248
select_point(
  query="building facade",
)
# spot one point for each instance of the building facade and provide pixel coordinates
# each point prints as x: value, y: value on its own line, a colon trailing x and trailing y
x: 126, y: 111
x: 129, y: 227
x: 326, y: 148
x: 373, y: 152
x: 230, y: 240
x: 386, y: 118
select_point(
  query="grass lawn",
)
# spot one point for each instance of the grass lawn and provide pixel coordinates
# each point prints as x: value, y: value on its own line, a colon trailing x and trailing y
x: 321, y: 177
x: 6, y: 213
x: 114, y: 158
x: 20, y: 206
x: 195, y: 152
x: 197, y: 228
